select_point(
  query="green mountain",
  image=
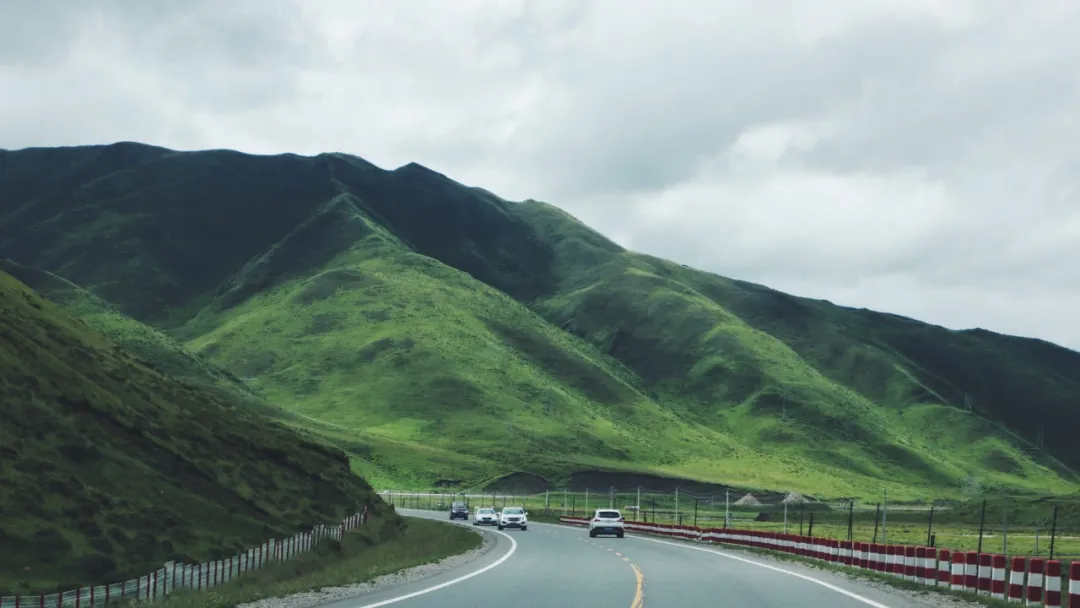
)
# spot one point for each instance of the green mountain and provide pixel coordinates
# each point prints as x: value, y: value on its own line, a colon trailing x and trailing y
x: 441, y: 334
x: 110, y: 467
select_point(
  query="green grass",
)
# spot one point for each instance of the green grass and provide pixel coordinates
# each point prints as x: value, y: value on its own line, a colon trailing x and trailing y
x: 364, y: 554
x: 443, y: 336
x: 109, y: 467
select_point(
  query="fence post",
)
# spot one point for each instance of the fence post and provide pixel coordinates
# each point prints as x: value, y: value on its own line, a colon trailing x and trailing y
x: 982, y: 523
x: 1053, y: 531
x: 930, y: 525
x: 850, y: 519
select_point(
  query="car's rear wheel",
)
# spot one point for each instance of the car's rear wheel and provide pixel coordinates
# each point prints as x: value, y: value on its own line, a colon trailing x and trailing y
x: 592, y: 533
x: 619, y: 534
x: 523, y: 528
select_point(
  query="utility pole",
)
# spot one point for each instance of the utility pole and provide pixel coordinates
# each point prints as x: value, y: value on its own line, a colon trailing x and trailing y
x: 564, y: 501
x: 612, y: 496
x: 676, y: 504
x: 638, y: 504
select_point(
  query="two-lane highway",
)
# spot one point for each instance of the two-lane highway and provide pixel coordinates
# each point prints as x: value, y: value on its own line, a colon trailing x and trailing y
x: 551, y: 565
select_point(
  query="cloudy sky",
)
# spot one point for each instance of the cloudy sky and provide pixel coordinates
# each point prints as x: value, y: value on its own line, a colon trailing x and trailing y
x: 914, y: 156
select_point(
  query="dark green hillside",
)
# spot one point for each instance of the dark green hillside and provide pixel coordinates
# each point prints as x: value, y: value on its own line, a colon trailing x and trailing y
x: 439, y: 333
x: 109, y: 468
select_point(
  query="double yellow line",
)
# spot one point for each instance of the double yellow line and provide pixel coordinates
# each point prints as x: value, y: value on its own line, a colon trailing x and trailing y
x: 639, y: 595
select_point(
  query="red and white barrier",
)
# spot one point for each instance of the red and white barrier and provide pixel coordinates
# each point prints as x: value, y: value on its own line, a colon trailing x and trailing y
x: 959, y: 571
x: 985, y: 563
x: 897, y: 561
x: 930, y: 574
x: 1035, y: 581
x: 944, y: 563
x: 997, y: 577
x: 985, y: 574
x: 1074, y: 585
x: 1053, y: 584
x: 971, y: 571
x: 1016, y: 580
x: 920, y: 564
x: 909, y: 563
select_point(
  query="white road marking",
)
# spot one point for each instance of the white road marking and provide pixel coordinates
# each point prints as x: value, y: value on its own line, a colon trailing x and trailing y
x: 394, y: 600
x: 841, y: 591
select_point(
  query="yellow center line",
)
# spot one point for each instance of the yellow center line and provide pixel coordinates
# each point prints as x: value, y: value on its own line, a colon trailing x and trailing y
x: 639, y: 595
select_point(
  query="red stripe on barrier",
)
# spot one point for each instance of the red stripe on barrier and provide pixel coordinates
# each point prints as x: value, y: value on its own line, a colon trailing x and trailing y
x: 1036, y: 573
x: 1016, y: 579
x: 920, y: 559
x: 944, y: 567
x: 984, y: 573
x: 909, y: 562
x: 1053, y: 584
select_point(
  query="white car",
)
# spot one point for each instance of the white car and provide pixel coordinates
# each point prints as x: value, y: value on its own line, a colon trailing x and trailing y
x: 485, y: 516
x: 513, y: 517
x: 606, y: 521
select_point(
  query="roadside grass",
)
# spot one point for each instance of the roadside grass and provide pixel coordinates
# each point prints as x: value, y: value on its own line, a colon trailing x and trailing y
x: 366, y: 553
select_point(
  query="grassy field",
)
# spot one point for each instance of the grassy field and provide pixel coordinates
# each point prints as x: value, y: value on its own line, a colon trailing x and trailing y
x: 109, y: 467
x: 443, y: 336
x: 363, y: 555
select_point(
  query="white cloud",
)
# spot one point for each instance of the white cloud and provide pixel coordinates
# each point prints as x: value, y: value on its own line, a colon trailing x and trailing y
x: 911, y: 156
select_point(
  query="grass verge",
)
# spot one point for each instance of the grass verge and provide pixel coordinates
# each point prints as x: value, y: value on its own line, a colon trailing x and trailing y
x: 366, y: 553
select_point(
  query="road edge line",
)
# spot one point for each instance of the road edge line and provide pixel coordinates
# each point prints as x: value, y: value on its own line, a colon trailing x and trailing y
x: 443, y: 585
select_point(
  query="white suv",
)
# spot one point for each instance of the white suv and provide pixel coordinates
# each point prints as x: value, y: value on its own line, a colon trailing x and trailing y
x: 485, y: 515
x: 606, y: 521
x: 513, y: 517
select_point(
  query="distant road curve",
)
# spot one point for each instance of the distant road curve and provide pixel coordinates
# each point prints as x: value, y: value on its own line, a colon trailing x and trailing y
x: 551, y: 565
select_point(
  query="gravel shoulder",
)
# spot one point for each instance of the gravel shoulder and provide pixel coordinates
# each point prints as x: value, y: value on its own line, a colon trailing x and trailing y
x: 331, y: 595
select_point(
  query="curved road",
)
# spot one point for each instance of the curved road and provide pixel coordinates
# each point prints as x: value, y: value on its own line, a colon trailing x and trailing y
x: 551, y: 565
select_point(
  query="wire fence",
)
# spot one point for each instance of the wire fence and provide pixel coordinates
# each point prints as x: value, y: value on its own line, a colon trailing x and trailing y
x: 175, y: 576
x: 1008, y: 525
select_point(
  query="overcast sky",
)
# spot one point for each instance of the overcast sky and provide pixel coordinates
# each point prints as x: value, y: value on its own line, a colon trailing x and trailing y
x: 913, y: 156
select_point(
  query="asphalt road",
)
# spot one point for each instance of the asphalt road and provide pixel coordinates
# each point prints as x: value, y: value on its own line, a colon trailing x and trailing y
x: 550, y: 565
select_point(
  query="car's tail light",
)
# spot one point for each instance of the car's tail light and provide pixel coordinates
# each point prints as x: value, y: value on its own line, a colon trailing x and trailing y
x: 620, y: 519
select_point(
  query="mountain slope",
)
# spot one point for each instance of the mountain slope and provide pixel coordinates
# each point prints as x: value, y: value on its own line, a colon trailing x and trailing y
x: 111, y: 468
x: 150, y: 346
x: 442, y: 334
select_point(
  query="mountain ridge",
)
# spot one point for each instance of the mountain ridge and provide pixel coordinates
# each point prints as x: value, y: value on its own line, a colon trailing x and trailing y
x: 465, y: 307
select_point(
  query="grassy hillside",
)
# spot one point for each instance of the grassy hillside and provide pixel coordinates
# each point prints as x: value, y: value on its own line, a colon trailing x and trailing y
x: 110, y: 468
x: 440, y: 334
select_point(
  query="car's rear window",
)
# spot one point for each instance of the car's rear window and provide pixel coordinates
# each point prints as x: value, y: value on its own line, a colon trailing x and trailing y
x: 512, y: 511
x: 485, y: 511
x: 608, y: 514
x: 458, y: 505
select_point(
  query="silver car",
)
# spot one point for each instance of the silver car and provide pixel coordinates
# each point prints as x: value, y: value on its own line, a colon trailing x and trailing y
x: 485, y: 516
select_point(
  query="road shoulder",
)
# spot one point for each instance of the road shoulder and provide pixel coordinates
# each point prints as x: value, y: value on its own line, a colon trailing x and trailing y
x: 400, y: 582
